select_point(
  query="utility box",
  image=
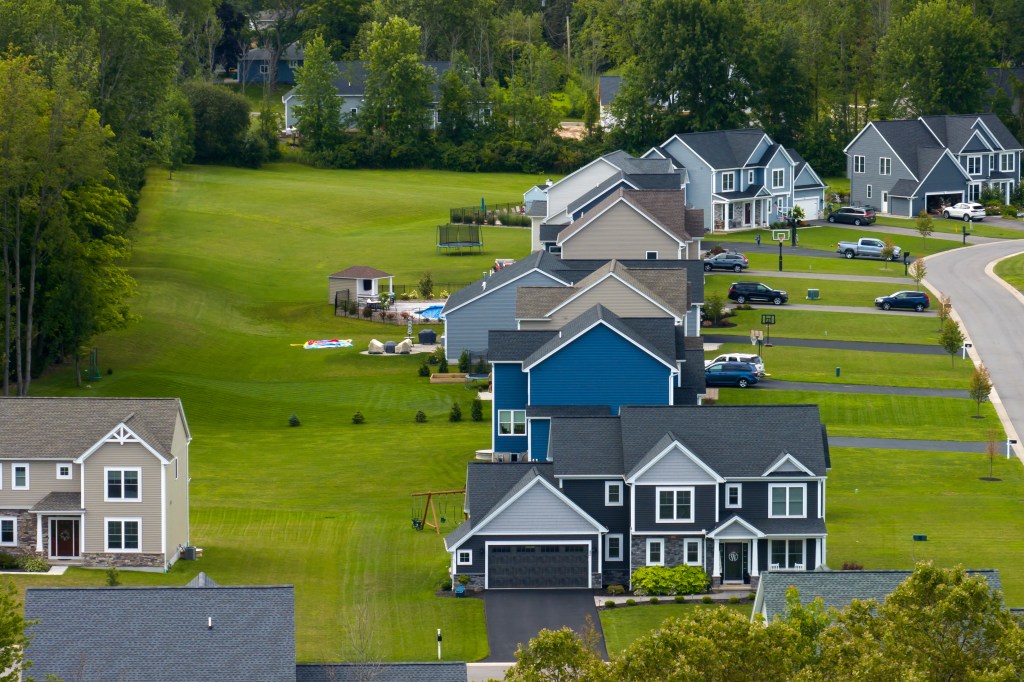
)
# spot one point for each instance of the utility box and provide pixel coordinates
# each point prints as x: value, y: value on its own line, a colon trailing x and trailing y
x: 813, y: 294
x: 188, y: 553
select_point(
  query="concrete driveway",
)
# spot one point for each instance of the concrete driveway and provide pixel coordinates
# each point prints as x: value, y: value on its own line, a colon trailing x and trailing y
x: 516, y: 616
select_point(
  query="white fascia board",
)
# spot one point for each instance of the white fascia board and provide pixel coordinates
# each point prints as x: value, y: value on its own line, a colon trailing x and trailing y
x: 484, y: 292
x: 764, y: 136
x: 584, y: 331
x: 96, y: 446
x: 538, y: 480
x: 737, y: 520
x: 791, y: 459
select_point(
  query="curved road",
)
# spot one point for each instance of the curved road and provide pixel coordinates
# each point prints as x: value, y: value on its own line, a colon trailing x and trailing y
x: 992, y: 317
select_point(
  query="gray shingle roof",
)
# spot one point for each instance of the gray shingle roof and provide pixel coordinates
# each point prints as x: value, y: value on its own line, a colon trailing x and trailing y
x: 837, y: 588
x: 723, y: 148
x: 361, y: 272
x: 955, y: 130
x: 904, y: 188
x: 351, y: 80
x: 540, y: 260
x: 608, y: 88
x: 381, y: 672
x: 508, y: 345
x: 907, y: 137
x: 59, y: 502
x: 202, y: 580
x: 534, y: 302
x: 568, y: 411
x: 670, y: 179
x: 488, y: 485
x: 46, y: 428
x: 586, y: 446
x: 142, y: 634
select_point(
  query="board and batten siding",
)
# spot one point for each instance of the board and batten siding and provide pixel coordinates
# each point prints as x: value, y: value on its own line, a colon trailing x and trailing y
x: 620, y: 232
x: 581, y: 373
x: 700, y: 178
x: 612, y: 294
x: 177, y: 511
x: 42, y: 480
x: 538, y: 508
x: 467, y: 327
x: 646, y: 509
x: 872, y: 147
x: 148, y: 509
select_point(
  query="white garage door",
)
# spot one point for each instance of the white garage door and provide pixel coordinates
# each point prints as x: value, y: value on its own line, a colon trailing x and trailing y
x: 812, y: 210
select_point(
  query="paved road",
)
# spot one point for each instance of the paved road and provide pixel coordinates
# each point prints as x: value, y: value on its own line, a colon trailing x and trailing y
x: 992, y: 316
x: 869, y: 346
x: 516, y: 616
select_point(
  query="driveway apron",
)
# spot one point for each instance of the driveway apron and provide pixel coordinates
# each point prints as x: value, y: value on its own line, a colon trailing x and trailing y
x: 516, y: 616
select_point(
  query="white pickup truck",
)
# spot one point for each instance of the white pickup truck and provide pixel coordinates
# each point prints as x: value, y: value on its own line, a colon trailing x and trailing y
x: 867, y: 247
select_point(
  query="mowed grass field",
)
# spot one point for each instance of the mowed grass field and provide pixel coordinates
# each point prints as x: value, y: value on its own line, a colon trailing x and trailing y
x: 232, y: 268
x: 623, y: 624
x: 1012, y: 270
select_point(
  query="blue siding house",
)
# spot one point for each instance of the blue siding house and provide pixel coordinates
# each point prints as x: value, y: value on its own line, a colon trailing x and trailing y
x: 254, y: 65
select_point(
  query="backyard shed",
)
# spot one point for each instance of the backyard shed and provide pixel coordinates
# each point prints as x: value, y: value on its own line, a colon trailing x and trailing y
x: 360, y: 283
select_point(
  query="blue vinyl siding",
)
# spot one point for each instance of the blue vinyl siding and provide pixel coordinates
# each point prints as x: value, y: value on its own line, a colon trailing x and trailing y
x: 539, y: 431
x: 509, y: 394
x: 872, y: 146
x: 600, y: 368
x: 647, y: 513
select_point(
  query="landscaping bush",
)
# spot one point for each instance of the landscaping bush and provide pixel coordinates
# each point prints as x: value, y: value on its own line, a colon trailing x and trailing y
x: 437, y: 356
x: 734, y: 600
x: 442, y: 364
x: 456, y: 413
x: 609, y: 604
x: 481, y: 366
x: 465, y: 361
x: 33, y: 564
x: 443, y: 293
x: 653, y: 600
x: 477, y: 411
x: 7, y: 561
x: 358, y: 418
x: 420, y: 417
x: 1009, y: 212
x: 652, y: 580
x: 426, y: 284
x: 463, y: 580
x: 707, y: 599
x: 294, y: 420
x: 680, y: 599
x: 367, y: 312
x: 631, y: 602
x: 113, y: 576
x: 424, y: 370
x: 616, y: 590
x: 852, y: 566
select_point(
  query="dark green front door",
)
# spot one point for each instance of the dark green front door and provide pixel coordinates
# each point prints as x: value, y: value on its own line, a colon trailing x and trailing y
x: 732, y: 561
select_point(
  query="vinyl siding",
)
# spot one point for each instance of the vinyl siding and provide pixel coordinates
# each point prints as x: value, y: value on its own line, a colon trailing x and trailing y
x: 584, y: 373
x: 646, y: 510
x: 945, y: 178
x: 337, y: 284
x: 620, y: 232
x: 148, y: 509
x: 572, y: 187
x: 612, y: 294
x: 42, y: 480
x: 468, y: 326
x: 699, y: 186
x: 477, y: 544
x: 755, y: 500
x: 538, y: 508
x: 539, y: 431
x: 872, y: 146
x: 588, y: 494
x: 177, y: 493
x: 675, y: 468
x: 509, y: 394
x: 900, y: 207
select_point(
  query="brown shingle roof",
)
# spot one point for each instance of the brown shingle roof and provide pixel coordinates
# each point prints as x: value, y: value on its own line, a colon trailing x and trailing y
x: 665, y: 207
x: 45, y: 428
x: 361, y: 272
x: 668, y: 285
x: 59, y: 502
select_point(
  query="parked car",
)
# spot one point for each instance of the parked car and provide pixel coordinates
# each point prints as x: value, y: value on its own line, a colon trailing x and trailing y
x: 730, y: 374
x: 855, y: 215
x: 910, y: 300
x: 741, y: 292
x: 867, y: 247
x: 965, y: 210
x: 753, y: 360
x: 726, y: 261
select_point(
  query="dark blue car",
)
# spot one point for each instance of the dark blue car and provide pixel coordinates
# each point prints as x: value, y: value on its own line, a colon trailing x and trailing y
x: 739, y: 374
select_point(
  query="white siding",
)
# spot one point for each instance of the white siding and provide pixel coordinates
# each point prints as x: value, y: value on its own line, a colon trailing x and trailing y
x: 675, y: 468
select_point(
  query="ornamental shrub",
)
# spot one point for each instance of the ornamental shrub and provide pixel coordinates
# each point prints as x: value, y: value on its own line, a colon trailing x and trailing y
x: 734, y: 600
x: 477, y: 411
x: 656, y: 580
x: 33, y: 564
x: 358, y: 418
x: 294, y: 420
x: 113, y: 576
x: 425, y: 367
x: 465, y: 362
x: 616, y: 590
x: 610, y: 604
x: 456, y: 413
x: 631, y: 602
x: 420, y: 417
x: 653, y: 601
x: 442, y: 365
x: 707, y: 599
x: 680, y: 599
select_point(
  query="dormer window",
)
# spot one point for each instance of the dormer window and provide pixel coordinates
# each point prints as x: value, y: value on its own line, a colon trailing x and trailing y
x: 787, y: 500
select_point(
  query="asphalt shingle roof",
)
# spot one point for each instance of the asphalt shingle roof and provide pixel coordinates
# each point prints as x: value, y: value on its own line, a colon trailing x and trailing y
x: 540, y: 260
x: 361, y: 272
x: 381, y: 672
x: 59, y: 502
x: 956, y: 130
x: 509, y: 345
x: 723, y: 148
x: 47, y: 428
x: 906, y: 138
x: 142, y: 634
x: 351, y: 80
x: 839, y: 588
x: 608, y: 87
x: 586, y: 446
x: 534, y: 302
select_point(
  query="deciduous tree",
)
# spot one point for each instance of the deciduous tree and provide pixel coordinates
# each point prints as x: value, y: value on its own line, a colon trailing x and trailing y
x: 951, y: 338
x: 319, y: 114
x: 980, y: 387
x: 558, y: 656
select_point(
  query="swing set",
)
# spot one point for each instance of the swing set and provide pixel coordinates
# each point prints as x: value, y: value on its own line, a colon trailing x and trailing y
x: 435, y: 499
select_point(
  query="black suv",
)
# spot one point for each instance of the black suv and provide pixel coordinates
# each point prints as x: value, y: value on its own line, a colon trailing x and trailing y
x: 741, y: 292
x: 855, y: 215
x: 911, y: 300
x: 726, y: 261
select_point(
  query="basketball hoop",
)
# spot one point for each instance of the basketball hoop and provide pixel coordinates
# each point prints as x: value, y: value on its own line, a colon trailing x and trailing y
x: 780, y: 235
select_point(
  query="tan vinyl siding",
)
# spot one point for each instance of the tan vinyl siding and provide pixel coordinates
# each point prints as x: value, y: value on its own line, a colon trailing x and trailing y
x: 148, y: 508
x: 538, y: 508
x: 336, y: 284
x: 42, y: 480
x: 177, y: 493
x: 620, y: 232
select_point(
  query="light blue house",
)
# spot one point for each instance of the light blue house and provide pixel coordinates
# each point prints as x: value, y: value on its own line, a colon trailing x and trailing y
x: 742, y: 178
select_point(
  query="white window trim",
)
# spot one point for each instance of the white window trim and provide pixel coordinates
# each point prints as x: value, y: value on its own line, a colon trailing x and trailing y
x: 858, y: 162
x: 122, y: 520
x: 1009, y: 167
x: 175, y: 468
x: 781, y: 172
x: 648, y: 255
x: 750, y: 177
x: 700, y: 551
x: 14, y: 521
x: 661, y: 546
x: 868, y: 191
x: 512, y: 421
x: 121, y: 499
x: 264, y: 69
x: 460, y: 561
x: 884, y: 165
x: 731, y: 176
x: 71, y: 471
x: 976, y: 158
x: 14, y: 478
x: 803, y: 553
x: 676, y: 489
x: 738, y: 487
x: 608, y: 556
x: 787, y: 515
x: 608, y: 486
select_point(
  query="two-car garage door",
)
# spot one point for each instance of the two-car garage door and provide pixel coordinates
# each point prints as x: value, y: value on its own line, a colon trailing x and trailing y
x: 811, y: 207
x: 538, y: 566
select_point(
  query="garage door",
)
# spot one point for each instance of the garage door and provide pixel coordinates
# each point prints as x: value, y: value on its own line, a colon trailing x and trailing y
x: 810, y: 207
x: 537, y: 566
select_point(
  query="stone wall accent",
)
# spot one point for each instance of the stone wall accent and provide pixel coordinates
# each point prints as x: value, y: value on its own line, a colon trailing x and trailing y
x: 476, y: 581
x: 123, y: 560
x: 596, y: 581
x: 26, y: 534
x: 755, y: 580
x: 616, y: 576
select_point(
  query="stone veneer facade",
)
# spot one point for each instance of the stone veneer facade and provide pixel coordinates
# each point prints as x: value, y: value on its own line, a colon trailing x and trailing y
x: 122, y: 560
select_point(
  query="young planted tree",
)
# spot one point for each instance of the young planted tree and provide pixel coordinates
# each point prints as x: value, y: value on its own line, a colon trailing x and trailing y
x: 918, y: 271
x: 714, y: 304
x: 925, y: 226
x: 951, y: 338
x: 980, y: 387
x: 944, y: 309
x: 887, y: 252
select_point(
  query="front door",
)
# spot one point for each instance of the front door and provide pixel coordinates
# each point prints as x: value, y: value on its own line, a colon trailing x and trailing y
x: 64, y: 538
x: 885, y: 202
x: 746, y: 213
x: 733, y: 562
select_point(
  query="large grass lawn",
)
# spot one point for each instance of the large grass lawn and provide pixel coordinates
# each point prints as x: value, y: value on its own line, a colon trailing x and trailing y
x: 827, y: 238
x: 232, y: 268
x: 879, y: 499
x: 981, y: 229
x: 831, y: 292
x: 1012, y: 270
x: 811, y: 324
x: 624, y: 624
x: 767, y: 258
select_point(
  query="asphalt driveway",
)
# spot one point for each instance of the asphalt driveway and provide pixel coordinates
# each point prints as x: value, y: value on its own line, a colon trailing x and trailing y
x: 516, y: 616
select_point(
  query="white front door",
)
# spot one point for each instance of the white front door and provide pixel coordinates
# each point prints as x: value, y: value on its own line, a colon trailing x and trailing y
x: 885, y: 202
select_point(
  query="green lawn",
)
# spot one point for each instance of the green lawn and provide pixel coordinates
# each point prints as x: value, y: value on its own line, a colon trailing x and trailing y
x: 981, y: 229
x: 767, y: 258
x: 811, y: 324
x: 832, y: 292
x: 884, y: 416
x: 836, y: 184
x: 879, y: 499
x: 826, y: 238
x: 1012, y: 270
x: 232, y: 268
x: 255, y: 93
x: 790, y: 363
x: 623, y: 624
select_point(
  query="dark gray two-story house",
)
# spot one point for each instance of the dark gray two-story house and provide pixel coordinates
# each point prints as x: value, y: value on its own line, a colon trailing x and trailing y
x: 650, y: 486
x: 908, y: 166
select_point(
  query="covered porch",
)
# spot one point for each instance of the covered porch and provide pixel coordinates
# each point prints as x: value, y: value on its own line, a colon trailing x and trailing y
x: 736, y: 210
x: 60, y: 524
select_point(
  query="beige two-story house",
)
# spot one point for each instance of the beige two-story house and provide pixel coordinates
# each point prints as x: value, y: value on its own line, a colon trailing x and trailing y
x: 94, y: 481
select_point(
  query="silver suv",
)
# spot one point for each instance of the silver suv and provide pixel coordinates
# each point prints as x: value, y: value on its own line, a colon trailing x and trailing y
x: 754, y: 360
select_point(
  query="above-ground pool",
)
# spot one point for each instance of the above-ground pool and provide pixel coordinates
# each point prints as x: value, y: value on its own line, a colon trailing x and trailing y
x: 431, y: 313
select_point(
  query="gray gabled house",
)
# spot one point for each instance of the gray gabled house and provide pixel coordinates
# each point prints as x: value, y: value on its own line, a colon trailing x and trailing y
x: 907, y: 166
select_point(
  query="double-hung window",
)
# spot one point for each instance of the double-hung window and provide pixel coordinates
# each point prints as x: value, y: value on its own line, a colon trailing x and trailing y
x: 733, y: 495
x: 613, y: 547
x: 868, y: 191
x: 613, y: 493
x: 8, y: 531
x: 778, y: 178
x: 858, y: 164
x: 19, y: 477
x: 655, y: 552
x: 123, y: 535
x: 728, y: 182
x: 974, y: 165
x: 511, y: 422
x: 884, y: 166
x: 787, y: 500
x: 1006, y: 162
x: 675, y: 505
x: 787, y: 553
x: 123, y: 484
x: 691, y: 551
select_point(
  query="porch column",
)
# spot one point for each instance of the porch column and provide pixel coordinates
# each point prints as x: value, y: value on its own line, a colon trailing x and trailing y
x: 753, y: 558
x: 39, y: 532
x: 717, y: 570
x: 819, y: 552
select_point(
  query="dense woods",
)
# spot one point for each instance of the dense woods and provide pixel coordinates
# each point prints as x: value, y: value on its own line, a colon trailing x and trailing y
x: 93, y: 92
